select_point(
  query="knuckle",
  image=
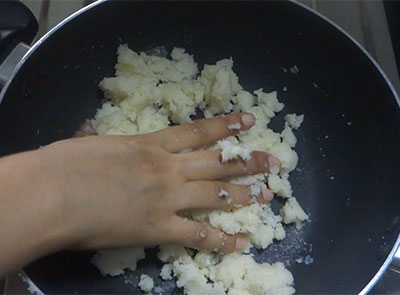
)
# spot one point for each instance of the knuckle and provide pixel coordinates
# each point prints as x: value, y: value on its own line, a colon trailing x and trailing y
x: 259, y: 161
x: 175, y: 235
x: 155, y: 164
x: 214, y: 189
x: 196, y: 187
x: 152, y: 166
x: 172, y: 164
x: 199, y: 130
x: 143, y: 139
x: 153, y: 218
x: 135, y: 145
x: 169, y: 138
x: 169, y: 197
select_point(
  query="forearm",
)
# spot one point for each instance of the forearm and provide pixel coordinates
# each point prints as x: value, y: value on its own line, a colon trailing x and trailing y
x: 31, y: 223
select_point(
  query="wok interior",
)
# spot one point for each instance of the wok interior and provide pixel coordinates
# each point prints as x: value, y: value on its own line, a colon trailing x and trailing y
x: 348, y: 145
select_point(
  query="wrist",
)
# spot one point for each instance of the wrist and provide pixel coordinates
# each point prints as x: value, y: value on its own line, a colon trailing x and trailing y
x: 34, y: 207
x: 51, y: 192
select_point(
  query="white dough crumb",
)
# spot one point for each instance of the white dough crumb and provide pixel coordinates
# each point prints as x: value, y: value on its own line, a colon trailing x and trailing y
x: 151, y: 92
x: 231, y: 151
x: 288, y: 136
x: 166, y: 272
x: 308, y: 260
x: 294, y: 120
x: 299, y: 260
x: 291, y: 212
x: 234, y: 126
x: 256, y: 189
x: 222, y: 193
x: 294, y: 69
x: 146, y: 283
x: 113, y: 262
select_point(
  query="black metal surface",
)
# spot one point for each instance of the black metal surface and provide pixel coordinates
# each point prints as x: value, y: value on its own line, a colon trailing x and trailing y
x: 392, y: 10
x: 348, y: 145
x: 17, y: 24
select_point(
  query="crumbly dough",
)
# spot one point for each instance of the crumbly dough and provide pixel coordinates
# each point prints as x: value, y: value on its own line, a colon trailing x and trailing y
x: 229, y: 274
x: 114, y: 261
x: 146, y: 283
x: 231, y: 151
x: 150, y: 92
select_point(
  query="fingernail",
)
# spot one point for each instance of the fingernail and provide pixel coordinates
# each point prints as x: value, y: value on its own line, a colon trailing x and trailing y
x: 241, y: 244
x: 248, y: 120
x: 266, y: 193
x: 272, y: 161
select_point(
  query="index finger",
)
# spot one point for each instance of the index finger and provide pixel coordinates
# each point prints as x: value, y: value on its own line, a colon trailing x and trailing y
x: 203, y: 132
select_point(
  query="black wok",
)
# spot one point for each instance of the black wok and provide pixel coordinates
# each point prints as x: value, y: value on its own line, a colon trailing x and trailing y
x: 348, y: 177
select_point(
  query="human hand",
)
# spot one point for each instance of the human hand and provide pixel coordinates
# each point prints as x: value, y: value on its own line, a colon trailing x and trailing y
x: 118, y: 191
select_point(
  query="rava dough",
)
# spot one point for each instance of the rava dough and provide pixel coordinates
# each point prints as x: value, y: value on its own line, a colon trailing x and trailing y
x: 147, y: 94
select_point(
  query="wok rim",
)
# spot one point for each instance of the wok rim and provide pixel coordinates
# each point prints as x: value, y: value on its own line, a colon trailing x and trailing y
x: 26, y: 279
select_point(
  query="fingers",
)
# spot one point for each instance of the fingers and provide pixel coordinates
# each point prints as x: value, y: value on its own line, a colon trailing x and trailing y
x: 206, y: 165
x: 218, y: 195
x: 197, y: 235
x: 203, y: 132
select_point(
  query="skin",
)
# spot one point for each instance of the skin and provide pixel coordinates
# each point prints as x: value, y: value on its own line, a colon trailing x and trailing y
x: 98, y: 192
